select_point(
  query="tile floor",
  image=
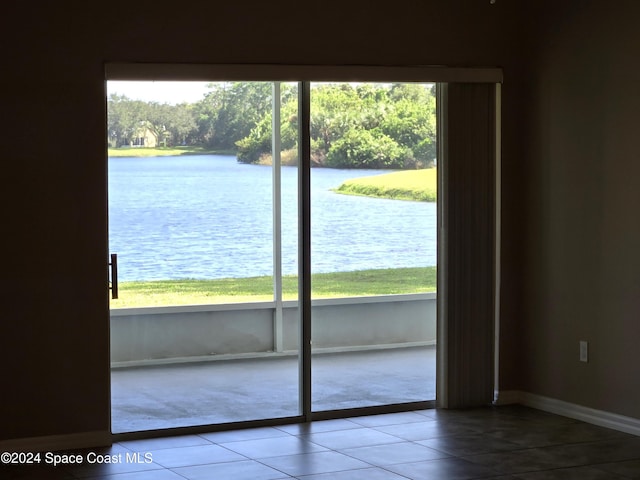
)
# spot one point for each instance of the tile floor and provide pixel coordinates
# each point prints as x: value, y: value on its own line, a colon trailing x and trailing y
x: 510, y: 442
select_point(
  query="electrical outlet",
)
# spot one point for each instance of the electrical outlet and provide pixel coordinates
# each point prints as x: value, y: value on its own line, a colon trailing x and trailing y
x: 584, y: 351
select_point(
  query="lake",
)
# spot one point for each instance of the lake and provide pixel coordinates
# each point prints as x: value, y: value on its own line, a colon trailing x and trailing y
x: 208, y: 216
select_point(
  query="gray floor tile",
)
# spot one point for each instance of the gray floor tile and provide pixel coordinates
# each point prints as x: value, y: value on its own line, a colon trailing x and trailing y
x: 149, y: 444
x: 388, y: 419
x: 575, y: 473
x: 528, y: 460
x: 424, y: 430
x: 490, y: 419
x: 471, y: 444
x: 313, y: 463
x: 124, y: 465
x: 428, y: 412
x: 540, y: 435
x: 244, y: 434
x: 531, y: 414
x: 484, y: 425
x: 365, y: 474
x: 614, y: 450
x: 273, y: 447
x: 317, y: 427
x: 448, y: 468
x: 359, y: 437
x: 393, y: 453
x: 242, y: 470
x: 198, y: 455
x: 628, y: 469
x: 502, y: 477
x: 148, y: 475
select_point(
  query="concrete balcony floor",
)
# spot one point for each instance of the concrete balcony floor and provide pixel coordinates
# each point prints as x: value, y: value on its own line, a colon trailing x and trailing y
x: 222, y: 391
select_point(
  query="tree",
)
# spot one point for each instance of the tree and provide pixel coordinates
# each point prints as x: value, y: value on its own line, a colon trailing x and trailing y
x: 182, y: 125
x: 171, y: 124
x: 349, y: 120
x: 124, y: 119
x: 259, y: 141
x: 351, y: 126
x: 230, y: 111
x: 413, y: 125
x: 333, y: 113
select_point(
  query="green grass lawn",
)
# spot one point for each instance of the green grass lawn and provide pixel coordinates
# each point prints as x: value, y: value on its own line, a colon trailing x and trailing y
x: 417, y: 185
x: 236, y: 290
x: 161, y: 151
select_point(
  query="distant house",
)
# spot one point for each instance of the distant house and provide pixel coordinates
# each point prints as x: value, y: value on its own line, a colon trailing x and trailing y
x: 144, y: 137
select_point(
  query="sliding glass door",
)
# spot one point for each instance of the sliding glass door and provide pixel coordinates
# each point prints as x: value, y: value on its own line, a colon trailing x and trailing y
x: 202, y: 219
x: 276, y: 250
x: 373, y: 244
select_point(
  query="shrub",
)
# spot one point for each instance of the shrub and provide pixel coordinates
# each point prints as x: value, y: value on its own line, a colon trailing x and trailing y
x: 360, y: 148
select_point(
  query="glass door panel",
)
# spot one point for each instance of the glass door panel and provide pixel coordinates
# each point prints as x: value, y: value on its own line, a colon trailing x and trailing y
x: 373, y: 244
x: 198, y: 333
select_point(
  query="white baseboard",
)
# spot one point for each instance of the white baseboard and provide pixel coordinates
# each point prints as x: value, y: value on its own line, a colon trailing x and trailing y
x: 52, y: 443
x: 590, y: 415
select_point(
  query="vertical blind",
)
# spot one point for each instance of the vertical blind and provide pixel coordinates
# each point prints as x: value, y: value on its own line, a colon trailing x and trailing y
x: 467, y: 285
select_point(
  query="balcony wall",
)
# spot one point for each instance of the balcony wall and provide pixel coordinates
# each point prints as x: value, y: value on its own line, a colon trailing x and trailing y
x: 155, y: 335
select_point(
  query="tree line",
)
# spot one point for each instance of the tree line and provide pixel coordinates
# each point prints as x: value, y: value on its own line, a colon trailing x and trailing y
x: 352, y: 125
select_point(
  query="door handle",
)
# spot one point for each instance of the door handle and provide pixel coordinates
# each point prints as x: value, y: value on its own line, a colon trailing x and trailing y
x: 114, y: 276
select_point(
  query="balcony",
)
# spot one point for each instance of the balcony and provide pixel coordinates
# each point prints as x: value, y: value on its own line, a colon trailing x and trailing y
x: 205, y: 364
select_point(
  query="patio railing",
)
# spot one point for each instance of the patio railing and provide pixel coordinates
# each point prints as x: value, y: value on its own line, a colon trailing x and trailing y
x: 157, y: 335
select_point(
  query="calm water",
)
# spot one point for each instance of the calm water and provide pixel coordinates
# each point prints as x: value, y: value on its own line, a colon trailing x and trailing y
x: 211, y: 217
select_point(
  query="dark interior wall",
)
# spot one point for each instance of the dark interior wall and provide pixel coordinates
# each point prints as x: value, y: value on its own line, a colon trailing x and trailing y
x: 54, y: 331
x: 583, y: 227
